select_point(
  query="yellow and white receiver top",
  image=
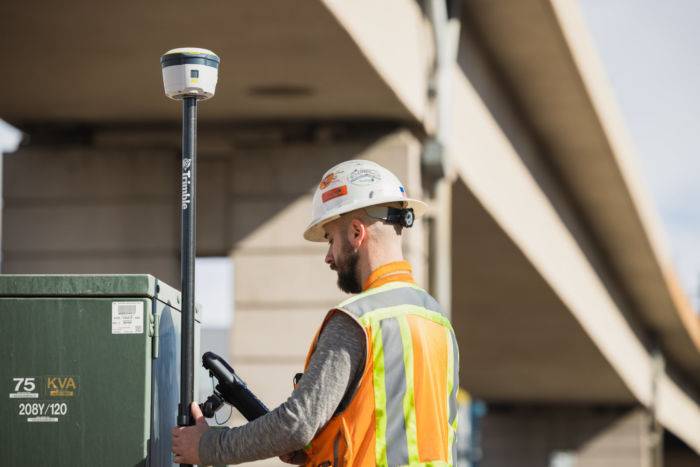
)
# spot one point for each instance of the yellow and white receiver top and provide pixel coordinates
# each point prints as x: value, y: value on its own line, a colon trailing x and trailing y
x: 190, y: 72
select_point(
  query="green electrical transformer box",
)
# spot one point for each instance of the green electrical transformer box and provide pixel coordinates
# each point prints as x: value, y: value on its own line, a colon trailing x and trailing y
x: 90, y: 370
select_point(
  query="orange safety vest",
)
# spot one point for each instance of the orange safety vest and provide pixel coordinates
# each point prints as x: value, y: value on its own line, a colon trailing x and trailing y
x: 404, y: 408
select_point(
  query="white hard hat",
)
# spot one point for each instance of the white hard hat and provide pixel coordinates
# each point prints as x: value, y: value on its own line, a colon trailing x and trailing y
x: 353, y: 185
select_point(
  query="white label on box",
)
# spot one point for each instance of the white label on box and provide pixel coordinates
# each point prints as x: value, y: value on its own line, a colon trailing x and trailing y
x: 127, y: 317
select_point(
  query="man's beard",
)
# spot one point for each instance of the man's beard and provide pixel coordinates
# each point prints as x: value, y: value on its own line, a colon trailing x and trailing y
x: 347, y: 270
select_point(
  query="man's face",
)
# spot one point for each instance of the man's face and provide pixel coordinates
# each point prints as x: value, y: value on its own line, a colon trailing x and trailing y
x: 342, y: 258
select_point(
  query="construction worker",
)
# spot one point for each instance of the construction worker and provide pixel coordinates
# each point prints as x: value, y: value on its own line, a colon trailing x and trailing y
x: 381, y: 376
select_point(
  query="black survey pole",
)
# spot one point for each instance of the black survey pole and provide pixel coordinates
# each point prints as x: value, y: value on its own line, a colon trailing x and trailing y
x: 187, y: 248
x: 189, y: 74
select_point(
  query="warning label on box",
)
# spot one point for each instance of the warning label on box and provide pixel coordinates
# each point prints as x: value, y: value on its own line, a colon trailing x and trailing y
x: 127, y: 317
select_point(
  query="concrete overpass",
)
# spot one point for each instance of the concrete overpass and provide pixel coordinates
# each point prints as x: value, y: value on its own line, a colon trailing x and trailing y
x: 571, y: 323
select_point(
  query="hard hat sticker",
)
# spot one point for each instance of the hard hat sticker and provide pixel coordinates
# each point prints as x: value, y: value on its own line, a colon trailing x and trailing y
x: 334, y: 193
x: 327, y: 180
x: 364, y: 177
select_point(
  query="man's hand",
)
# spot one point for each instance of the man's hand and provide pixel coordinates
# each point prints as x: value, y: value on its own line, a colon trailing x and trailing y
x: 186, y: 438
x: 295, y: 458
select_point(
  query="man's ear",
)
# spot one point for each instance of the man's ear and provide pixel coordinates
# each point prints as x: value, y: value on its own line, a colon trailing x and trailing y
x: 357, y: 233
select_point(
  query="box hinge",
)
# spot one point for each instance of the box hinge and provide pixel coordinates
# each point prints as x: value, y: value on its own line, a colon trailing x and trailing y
x: 154, y: 332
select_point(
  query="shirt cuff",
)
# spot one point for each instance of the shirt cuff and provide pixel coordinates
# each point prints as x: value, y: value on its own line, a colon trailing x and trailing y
x: 209, y: 446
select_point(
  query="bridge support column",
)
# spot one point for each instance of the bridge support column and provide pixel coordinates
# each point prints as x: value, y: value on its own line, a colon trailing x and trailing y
x: 566, y: 436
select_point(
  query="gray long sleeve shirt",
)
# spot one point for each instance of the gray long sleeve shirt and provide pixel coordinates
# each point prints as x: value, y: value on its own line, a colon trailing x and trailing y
x: 333, y: 371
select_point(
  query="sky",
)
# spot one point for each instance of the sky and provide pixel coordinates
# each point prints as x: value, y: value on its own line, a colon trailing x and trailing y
x: 650, y: 51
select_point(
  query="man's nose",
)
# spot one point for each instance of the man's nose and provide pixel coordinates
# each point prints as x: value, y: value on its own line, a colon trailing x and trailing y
x: 329, y: 256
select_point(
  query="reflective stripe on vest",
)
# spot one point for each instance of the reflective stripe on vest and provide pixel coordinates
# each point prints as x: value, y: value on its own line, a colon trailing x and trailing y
x: 414, y: 373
